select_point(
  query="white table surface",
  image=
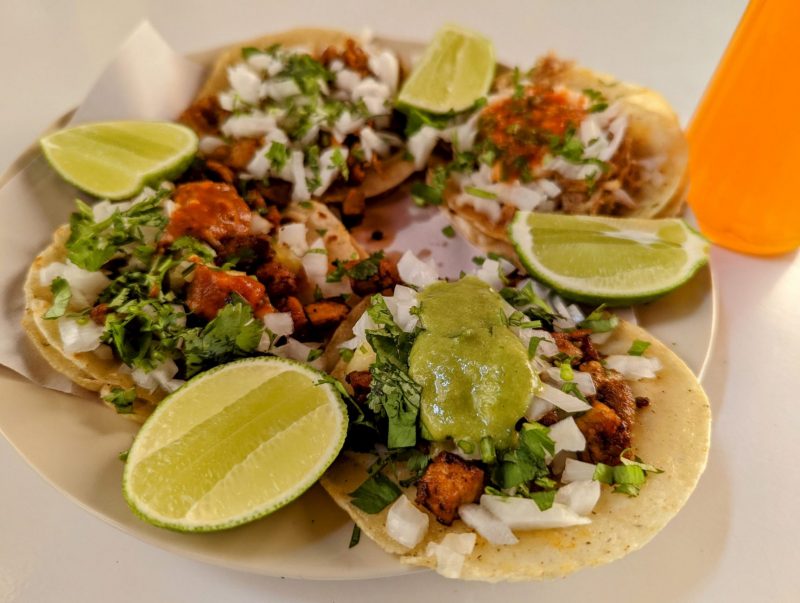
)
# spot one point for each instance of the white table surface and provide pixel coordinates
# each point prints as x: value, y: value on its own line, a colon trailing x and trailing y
x: 736, y: 539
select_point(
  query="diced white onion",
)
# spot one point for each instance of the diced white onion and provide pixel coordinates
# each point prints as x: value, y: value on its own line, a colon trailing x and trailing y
x: 634, y: 367
x: 372, y: 144
x: 363, y: 324
x: 386, y: 67
x: 581, y: 379
x: 328, y: 171
x: 547, y: 345
x: 346, y: 124
x: 279, y: 323
x: 415, y: 271
x: 245, y: 82
x: 84, y: 285
x: 77, y: 337
x: 421, y: 144
x: 579, y: 496
x: 400, y: 305
x: 159, y: 376
x: 451, y: 552
x: 564, y: 401
x: 297, y: 168
x: 248, y: 125
x: 406, y: 523
x: 577, y: 471
x: 266, y: 63
x: 524, y: 514
x: 209, y: 144
x: 486, y: 524
x: 347, y: 80
x: 259, y: 225
x: 279, y: 89
x: 538, y: 408
x: 567, y: 436
x: 294, y: 237
x: 296, y: 350
x: 489, y: 273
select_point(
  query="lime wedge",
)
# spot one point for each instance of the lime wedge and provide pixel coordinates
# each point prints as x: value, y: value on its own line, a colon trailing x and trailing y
x: 115, y: 160
x: 233, y: 445
x: 617, y: 261
x: 456, y: 70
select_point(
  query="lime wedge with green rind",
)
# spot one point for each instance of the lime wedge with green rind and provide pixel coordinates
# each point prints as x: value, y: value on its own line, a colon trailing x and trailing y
x: 456, y: 70
x: 116, y: 160
x: 617, y: 261
x: 234, y: 444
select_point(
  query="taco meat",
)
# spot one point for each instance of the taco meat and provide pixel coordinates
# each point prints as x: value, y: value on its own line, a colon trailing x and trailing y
x: 449, y: 482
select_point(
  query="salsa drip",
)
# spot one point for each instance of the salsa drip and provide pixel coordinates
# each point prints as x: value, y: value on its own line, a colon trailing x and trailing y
x: 522, y: 127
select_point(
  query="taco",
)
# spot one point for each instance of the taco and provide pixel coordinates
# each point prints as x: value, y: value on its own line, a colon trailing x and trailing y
x: 130, y: 299
x: 308, y: 111
x: 560, y: 138
x: 508, y: 436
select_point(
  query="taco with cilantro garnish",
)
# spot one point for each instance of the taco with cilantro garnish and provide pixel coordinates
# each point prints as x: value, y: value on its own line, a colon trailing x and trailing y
x: 559, y: 138
x: 132, y: 298
x: 501, y: 436
x: 307, y: 113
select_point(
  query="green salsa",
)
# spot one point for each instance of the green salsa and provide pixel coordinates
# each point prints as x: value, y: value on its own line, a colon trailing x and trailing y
x: 474, y: 372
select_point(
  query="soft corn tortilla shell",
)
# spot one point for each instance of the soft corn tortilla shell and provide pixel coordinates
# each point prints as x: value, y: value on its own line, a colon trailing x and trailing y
x: 394, y: 169
x: 100, y: 375
x: 654, y: 129
x: 673, y: 433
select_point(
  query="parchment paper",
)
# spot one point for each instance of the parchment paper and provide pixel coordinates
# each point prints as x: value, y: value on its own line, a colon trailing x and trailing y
x: 147, y: 80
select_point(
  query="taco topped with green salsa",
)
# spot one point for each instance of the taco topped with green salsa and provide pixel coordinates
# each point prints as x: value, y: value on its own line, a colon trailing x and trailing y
x: 498, y: 434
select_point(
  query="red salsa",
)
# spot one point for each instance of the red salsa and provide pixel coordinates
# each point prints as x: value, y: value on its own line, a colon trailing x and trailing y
x: 211, y: 289
x: 209, y: 211
x: 522, y: 127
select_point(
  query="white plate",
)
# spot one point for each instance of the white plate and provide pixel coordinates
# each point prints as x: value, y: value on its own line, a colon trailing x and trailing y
x: 74, y: 442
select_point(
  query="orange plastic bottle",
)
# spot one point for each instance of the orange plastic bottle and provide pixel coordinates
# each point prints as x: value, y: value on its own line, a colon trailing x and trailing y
x: 744, y: 139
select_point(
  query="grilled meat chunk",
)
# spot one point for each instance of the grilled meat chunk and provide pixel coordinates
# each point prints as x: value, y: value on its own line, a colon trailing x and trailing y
x: 361, y: 382
x: 612, y: 391
x: 326, y: 312
x: 382, y: 281
x: 245, y: 252
x: 279, y: 280
x: 577, y: 344
x: 449, y: 482
x: 605, y: 433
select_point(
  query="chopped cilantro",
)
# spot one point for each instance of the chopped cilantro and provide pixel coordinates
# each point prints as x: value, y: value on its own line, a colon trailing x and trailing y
x: 277, y: 155
x: 566, y: 372
x: 544, y: 499
x: 533, y: 345
x: 355, y: 537
x: 346, y: 354
x: 638, y: 347
x: 599, y: 102
x: 449, y: 232
x: 360, y: 271
x: 313, y: 355
x: 249, y: 51
x: 424, y: 194
x: 479, y: 192
x: 488, y: 452
x: 393, y: 393
x: 339, y: 162
x: 122, y: 399
x: 600, y: 321
x: 572, y: 389
x: 61, y: 296
x: 91, y: 244
x: 233, y: 333
x: 375, y: 494
x: 527, y: 462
